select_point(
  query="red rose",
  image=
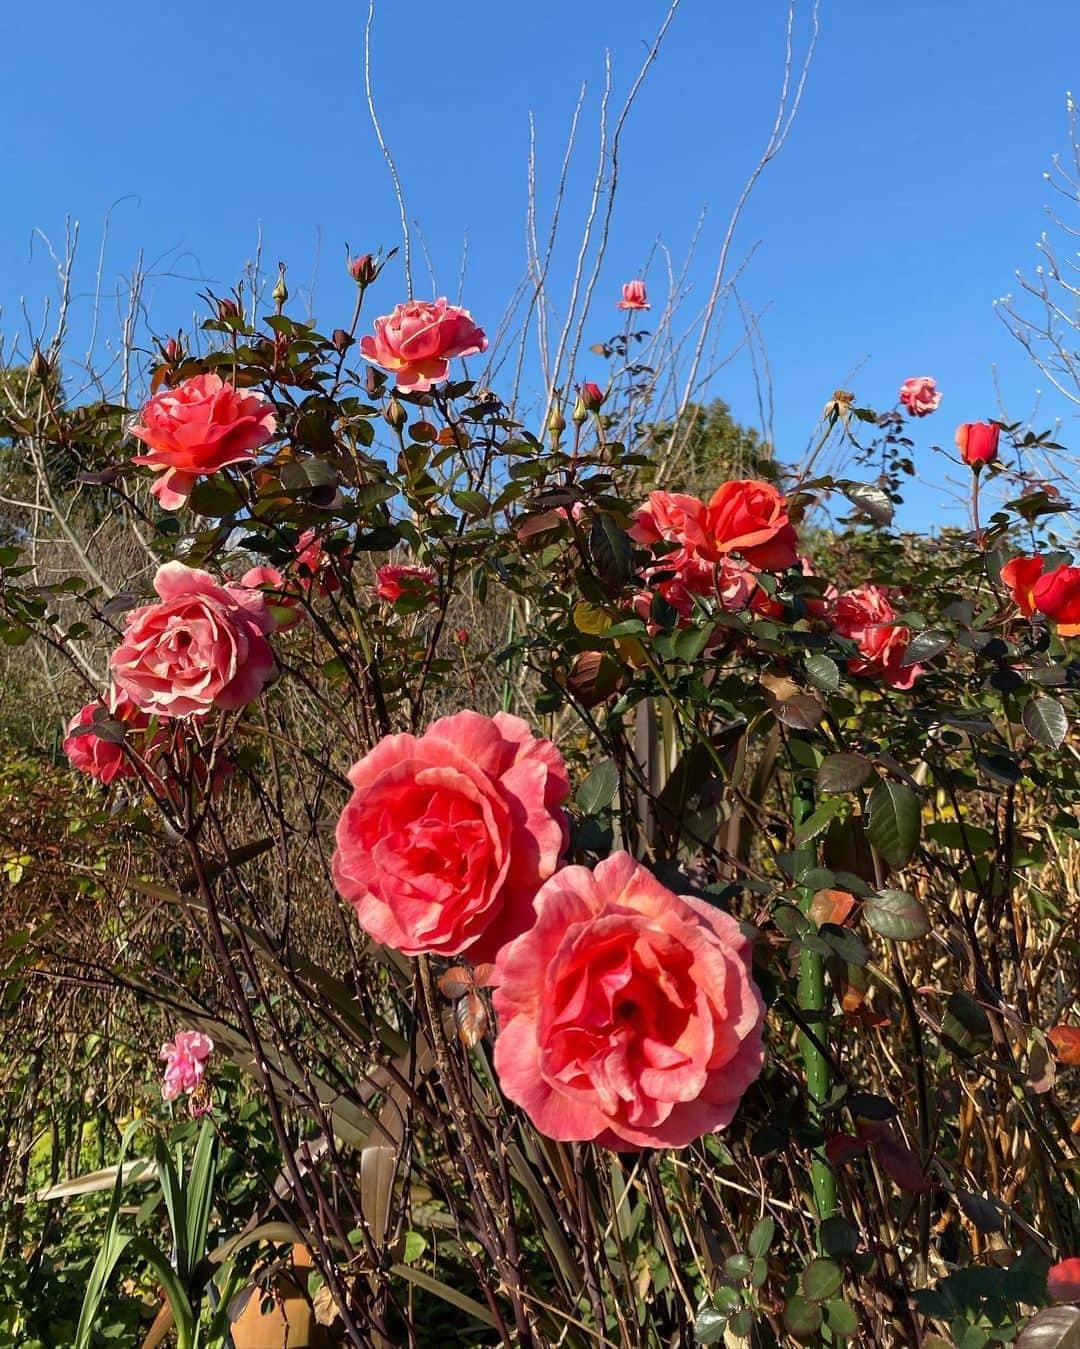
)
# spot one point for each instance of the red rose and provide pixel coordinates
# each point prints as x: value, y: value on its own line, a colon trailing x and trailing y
x: 1057, y: 595
x: 203, y: 645
x: 393, y: 581
x: 103, y: 759
x: 201, y: 426
x: 417, y: 341
x: 633, y: 296
x: 866, y: 617
x: 627, y: 1014
x: 1063, y: 1280
x: 978, y: 443
x: 449, y: 835
x: 751, y: 518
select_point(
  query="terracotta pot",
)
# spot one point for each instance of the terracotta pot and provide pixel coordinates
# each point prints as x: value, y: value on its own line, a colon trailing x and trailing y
x: 290, y: 1323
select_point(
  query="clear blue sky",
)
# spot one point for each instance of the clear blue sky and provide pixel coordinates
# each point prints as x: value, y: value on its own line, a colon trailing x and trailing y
x: 909, y: 193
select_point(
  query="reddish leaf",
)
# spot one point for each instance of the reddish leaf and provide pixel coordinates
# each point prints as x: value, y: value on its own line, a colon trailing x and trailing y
x: 831, y: 906
x: 455, y: 982
x: 472, y: 1019
x: 482, y: 974
x: 897, y: 1160
x: 842, y: 1148
x: 1066, y: 1042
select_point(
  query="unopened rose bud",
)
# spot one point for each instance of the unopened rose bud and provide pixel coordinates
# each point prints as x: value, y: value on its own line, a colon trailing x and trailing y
x: 228, y: 309
x: 556, y: 422
x: 280, y: 293
x: 592, y: 396
x: 173, y: 350
x: 395, y: 414
x: 341, y: 340
x: 363, y: 269
x: 461, y: 636
x: 39, y: 365
x: 580, y: 411
x: 978, y: 443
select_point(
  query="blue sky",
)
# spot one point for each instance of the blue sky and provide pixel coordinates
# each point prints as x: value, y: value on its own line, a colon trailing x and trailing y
x: 909, y: 193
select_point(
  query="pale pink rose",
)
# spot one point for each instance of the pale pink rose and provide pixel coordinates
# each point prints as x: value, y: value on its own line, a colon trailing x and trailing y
x: 1063, y: 1280
x: 314, y: 565
x: 448, y: 835
x: 104, y: 759
x: 201, y: 426
x: 185, y: 1062
x: 627, y: 1014
x: 866, y: 616
x: 920, y: 395
x: 393, y: 580
x: 283, y: 607
x: 418, y: 340
x: 633, y: 296
x: 202, y: 646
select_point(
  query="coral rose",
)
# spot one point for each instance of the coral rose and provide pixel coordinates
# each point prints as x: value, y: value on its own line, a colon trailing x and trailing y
x: 1057, y: 595
x: 100, y: 758
x: 282, y: 606
x: 1019, y: 575
x: 393, y: 581
x: 866, y: 617
x: 314, y: 565
x: 633, y: 296
x: 417, y: 341
x: 978, y: 443
x: 750, y: 517
x: 449, y: 835
x: 627, y: 1014
x: 185, y: 1062
x: 202, y: 646
x: 920, y: 395
x: 201, y: 426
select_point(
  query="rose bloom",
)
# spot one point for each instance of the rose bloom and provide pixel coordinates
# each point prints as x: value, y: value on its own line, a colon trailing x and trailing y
x: 1019, y: 575
x: 633, y: 296
x: 315, y: 566
x: 866, y: 617
x: 103, y: 759
x: 448, y: 835
x: 202, y: 646
x: 920, y: 395
x: 417, y: 341
x: 185, y: 1062
x: 627, y: 1014
x: 1057, y: 595
x: 1063, y: 1280
x: 393, y: 581
x: 750, y: 517
x: 201, y: 426
x: 978, y: 443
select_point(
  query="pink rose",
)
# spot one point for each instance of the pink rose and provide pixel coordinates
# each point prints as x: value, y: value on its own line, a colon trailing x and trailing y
x: 314, y: 565
x: 920, y: 395
x: 1063, y: 1280
x: 393, y: 581
x: 203, y: 645
x: 633, y: 296
x: 449, y: 835
x: 865, y: 616
x: 103, y: 759
x: 627, y: 1014
x: 185, y: 1062
x: 417, y: 341
x: 201, y: 426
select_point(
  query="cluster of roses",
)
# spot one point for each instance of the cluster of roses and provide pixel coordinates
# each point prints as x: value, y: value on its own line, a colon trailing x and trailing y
x: 719, y: 551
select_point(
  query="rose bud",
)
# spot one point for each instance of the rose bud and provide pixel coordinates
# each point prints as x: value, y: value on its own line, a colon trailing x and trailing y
x: 592, y: 396
x: 363, y: 269
x: 978, y: 443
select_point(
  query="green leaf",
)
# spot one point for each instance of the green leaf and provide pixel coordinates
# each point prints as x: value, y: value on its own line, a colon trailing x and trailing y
x: 965, y: 1025
x: 896, y: 915
x: 442, y: 1290
x: 895, y: 821
x: 841, y: 1318
x: 816, y: 822
x: 926, y: 645
x: 821, y: 1278
x: 200, y: 1195
x: 802, y: 1317
x: 709, y: 1326
x: 599, y: 788
x: 823, y: 672
x: 1045, y: 721
x: 843, y: 772
x: 872, y: 501
x: 761, y: 1237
